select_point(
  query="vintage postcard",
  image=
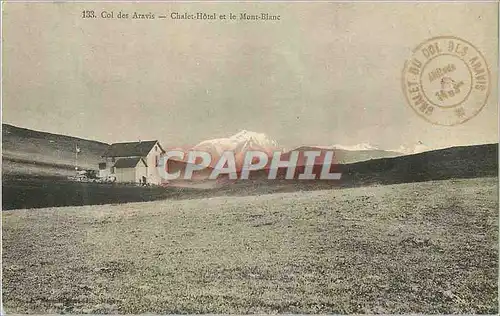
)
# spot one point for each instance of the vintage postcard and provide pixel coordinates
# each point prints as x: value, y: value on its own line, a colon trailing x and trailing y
x: 250, y: 157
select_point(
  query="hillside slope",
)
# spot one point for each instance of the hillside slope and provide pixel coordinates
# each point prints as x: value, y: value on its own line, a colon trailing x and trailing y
x: 35, y: 152
x: 450, y: 163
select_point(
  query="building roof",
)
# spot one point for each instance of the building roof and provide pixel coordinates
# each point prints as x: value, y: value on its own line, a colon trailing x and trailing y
x: 128, y: 162
x: 130, y: 149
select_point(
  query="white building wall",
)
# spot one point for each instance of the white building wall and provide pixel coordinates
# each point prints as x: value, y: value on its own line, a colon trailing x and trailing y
x: 151, y: 159
x: 125, y: 175
x: 140, y: 171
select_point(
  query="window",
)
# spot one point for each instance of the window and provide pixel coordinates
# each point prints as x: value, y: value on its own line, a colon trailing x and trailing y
x: 156, y: 148
x: 112, y: 169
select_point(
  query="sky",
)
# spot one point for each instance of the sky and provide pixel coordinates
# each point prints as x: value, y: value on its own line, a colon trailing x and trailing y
x: 325, y: 73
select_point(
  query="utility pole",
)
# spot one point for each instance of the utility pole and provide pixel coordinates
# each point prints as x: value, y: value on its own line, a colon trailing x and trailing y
x: 77, y: 150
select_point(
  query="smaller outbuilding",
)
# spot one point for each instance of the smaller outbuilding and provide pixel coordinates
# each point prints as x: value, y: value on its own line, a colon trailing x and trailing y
x: 131, y: 170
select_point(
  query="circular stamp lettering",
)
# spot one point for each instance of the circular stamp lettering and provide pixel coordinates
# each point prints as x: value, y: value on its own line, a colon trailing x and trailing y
x: 446, y: 80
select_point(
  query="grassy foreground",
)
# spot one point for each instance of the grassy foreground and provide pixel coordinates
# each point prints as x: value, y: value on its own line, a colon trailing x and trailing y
x: 425, y: 247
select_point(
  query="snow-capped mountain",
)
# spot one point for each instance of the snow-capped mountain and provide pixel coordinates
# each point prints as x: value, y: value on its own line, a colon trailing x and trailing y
x: 245, y: 140
x: 404, y: 149
x: 357, y: 147
x: 414, y: 149
x: 238, y: 143
x: 362, y: 146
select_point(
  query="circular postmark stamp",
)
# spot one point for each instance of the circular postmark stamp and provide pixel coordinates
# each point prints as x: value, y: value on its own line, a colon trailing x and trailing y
x: 446, y: 80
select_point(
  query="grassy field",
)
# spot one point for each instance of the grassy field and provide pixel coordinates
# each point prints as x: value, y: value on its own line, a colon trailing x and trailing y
x: 426, y: 247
